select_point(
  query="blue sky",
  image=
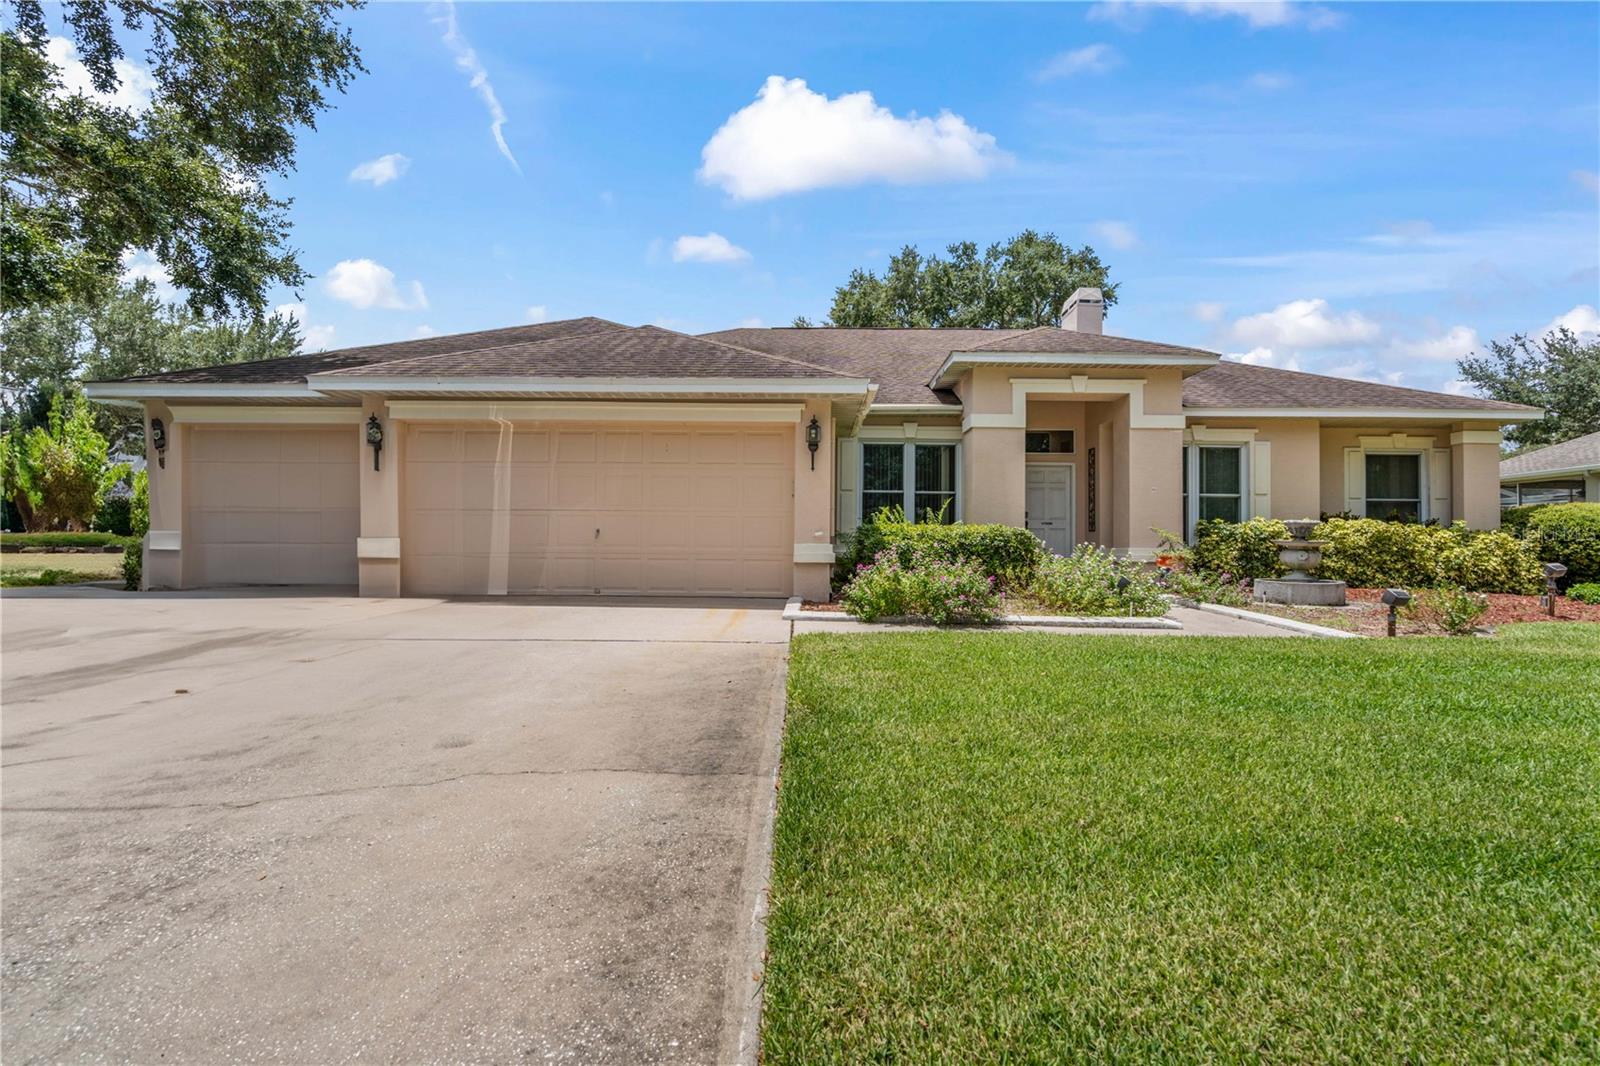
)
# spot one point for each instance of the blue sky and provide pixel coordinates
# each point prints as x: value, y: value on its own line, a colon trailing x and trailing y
x: 1368, y: 190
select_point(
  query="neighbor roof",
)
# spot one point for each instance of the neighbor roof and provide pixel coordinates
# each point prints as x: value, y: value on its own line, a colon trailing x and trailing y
x: 1579, y: 453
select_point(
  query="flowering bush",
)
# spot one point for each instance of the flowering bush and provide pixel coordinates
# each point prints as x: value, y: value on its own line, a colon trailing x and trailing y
x: 1087, y: 583
x: 1206, y: 588
x: 921, y: 585
x: 1005, y: 553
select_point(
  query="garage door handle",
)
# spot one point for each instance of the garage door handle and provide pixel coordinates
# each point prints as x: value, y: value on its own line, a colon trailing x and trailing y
x: 597, y: 534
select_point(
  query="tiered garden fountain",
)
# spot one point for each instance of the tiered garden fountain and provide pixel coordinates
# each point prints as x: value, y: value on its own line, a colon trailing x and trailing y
x: 1301, y: 555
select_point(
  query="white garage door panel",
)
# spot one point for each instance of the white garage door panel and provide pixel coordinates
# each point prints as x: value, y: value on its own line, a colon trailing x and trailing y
x: 611, y: 509
x: 271, y: 506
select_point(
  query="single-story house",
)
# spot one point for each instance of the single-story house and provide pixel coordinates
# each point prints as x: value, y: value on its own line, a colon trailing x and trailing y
x: 585, y: 456
x: 1568, y: 472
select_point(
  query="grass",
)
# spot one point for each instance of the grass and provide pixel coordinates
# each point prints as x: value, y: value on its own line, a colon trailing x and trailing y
x: 13, y: 541
x: 62, y: 568
x: 1037, y: 848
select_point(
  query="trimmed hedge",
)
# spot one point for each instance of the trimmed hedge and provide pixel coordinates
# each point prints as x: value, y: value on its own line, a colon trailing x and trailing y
x: 1009, y: 555
x: 1514, y: 520
x: 13, y: 541
x: 1239, y: 550
x: 1568, y: 533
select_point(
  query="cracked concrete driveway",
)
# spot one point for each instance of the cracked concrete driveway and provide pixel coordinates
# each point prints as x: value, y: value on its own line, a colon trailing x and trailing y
x: 264, y: 827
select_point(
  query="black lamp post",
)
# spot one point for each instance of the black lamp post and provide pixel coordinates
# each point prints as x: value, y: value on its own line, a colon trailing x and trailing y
x: 375, y: 438
x: 814, y: 439
x: 1395, y: 599
x: 1553, y: 572
x: 158, y: 437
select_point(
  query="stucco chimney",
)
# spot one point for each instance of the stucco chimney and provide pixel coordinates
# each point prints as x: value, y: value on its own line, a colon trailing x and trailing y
x: 1085, y: 308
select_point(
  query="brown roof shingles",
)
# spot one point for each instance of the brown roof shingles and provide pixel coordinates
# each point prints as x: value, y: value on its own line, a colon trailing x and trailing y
x: 1238, y: 385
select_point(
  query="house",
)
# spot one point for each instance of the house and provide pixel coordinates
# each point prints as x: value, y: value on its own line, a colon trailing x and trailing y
x: 585, y: 456
x: 1568, y: 472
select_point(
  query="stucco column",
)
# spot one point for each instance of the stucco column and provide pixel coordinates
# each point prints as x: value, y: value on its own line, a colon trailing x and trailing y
x: 1475, y: 477
x: 994, y: 475
x: 1149, y: 490
x: 813, y: 504
x: 378, y: 546
x: 163, y: 545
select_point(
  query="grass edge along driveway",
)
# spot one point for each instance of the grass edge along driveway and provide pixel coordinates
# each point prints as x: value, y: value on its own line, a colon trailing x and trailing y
x: 1023, y: 848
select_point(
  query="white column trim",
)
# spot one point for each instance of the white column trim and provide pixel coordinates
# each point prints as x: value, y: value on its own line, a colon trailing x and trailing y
x: 165, y: 540
x: 1475, y: 436
x: 377, y: 547
x: 813, y: 553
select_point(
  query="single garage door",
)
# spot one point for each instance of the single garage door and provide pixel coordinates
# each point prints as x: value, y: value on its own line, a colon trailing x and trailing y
x: 271, y: 505
x: 610, y: 508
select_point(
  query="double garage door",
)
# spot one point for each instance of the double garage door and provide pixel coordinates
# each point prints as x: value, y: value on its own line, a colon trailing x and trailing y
x: 597, y: 508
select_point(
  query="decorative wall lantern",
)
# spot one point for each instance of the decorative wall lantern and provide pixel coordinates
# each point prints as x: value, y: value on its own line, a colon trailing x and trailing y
x: 814, y: 439
x: 375, y: 438
x: 1553, y: 572
x: 158, y: 437
x: 1394, y: 599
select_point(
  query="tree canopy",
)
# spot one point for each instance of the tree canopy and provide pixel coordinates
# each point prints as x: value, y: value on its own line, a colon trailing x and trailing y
x: 88, y: 177
x: 1016, y: 284
x: 1560, y: 373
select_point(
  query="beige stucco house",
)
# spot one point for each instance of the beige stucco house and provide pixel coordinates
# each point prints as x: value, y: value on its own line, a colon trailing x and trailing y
x: 589, y: 457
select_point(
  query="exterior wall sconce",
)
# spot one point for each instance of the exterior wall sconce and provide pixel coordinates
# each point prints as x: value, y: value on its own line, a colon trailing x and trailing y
x: 814, y: 439
x: 1553, y: 572
x: 1394, y: 599
x: 158, y: 437
x: 375, y: 438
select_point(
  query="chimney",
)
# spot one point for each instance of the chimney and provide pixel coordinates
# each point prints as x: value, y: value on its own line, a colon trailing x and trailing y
x: 1083, y: 312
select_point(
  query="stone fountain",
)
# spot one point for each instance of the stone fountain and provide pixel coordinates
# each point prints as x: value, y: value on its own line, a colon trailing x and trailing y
x: 1301, y: 555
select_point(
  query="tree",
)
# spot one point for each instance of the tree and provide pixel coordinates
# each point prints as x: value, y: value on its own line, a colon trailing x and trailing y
x: 1560, y: 373
x: 85, y: 178
x: 45, y: 351
x: 1019, y: 284
x: 57, y: 475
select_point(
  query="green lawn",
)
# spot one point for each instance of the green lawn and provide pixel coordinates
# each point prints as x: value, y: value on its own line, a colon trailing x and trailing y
x: 1045, y: 848
x: 19, y: 568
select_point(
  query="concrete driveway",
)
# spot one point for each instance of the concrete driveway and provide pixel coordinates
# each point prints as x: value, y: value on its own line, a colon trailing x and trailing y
x: 263, y: 827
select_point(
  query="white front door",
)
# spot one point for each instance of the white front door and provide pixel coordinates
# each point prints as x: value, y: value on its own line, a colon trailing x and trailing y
x: 1049, y: 503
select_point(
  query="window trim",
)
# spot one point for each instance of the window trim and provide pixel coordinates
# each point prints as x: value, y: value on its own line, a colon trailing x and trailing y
x: 1190, y: 481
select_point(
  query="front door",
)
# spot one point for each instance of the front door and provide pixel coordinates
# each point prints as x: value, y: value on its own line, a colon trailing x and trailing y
x: 1049, y: 503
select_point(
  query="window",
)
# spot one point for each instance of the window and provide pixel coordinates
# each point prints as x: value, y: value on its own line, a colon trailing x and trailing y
x: 1394, y: 487
x: 1546, y: 492
x: 920, y: 479
x: 1213, y: 484
x: 1045, y: 442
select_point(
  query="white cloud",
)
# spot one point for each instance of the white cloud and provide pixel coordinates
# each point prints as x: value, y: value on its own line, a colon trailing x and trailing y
x: 792, y: 139
x: 137, y: 265
x: 1458, y: 387
x: 424, y: 330
x: 134, y: 82
x: 1365, y: 370
x: 1090, y: 59
x: 711, y: 248
x: 1119, y: 235
x: 364, y: 284
x: 1455, y: 343
x: 1583, y: 320
x: 536, y: 313
x: 1208, y: 311
x: 467, y: 61
x: 1268, y: 81
x: 312, y: 338
x: 1266, y: 357
x: 1259, y: 14
x: 1305, y: 324
x: 1587, y: 179
x: 382, y: 170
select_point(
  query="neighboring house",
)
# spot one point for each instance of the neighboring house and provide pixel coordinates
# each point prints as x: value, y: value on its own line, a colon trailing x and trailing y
x: 1557, y: 473
x: 586, y: 456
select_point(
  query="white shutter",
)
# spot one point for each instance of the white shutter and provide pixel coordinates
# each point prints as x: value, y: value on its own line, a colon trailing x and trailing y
x: 1355, y: 481
x: 1439, y: 485
x: 848, y: 503
x: 1261, y: 479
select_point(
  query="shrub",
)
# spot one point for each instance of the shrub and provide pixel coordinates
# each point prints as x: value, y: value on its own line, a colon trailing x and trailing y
x: 115, y: 516
x: 1568, y: 533
x: 1206, y: 588
x: 1241, y: 549
x: 940, y: 590
x: 1489, y: 562
x: 13, y: 541
x: 1456, y: 610
x: 1588, y: 592
x: 1085, y: 583
x: 1369, y: 553
x: 1005, y: 553
x: 1514, y: 520
x: 139, y: 514
x: 34, y: 578
x: 132, y: 569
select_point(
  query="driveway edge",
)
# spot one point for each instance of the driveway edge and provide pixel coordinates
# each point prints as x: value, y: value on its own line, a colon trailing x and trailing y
x: 745, y: 982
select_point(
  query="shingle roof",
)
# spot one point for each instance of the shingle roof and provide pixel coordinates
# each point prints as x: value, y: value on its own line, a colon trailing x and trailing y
x: 293, y: 369
x: 900, y: 361
x: 1230, y: 384
x: 1577, y: 453
x: 1051, y: 339
x: 623, y: 351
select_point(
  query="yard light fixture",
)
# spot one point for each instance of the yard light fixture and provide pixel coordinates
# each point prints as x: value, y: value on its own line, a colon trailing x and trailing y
x: 158, y: 437
x: 375, y: 438
x: 1395, y: 599
x: 814, y: 439
x: 1553, y: 572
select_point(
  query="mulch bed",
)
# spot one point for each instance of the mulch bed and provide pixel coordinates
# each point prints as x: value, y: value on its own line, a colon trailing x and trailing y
x: 1367, y: 615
